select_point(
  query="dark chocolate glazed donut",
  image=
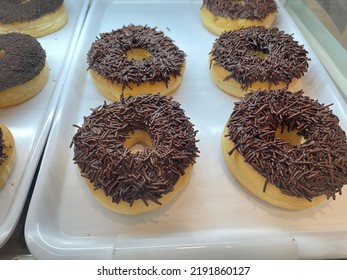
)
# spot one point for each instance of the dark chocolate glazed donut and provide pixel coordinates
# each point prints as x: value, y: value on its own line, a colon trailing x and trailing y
x: 21, y: 59
x: 26, y: 10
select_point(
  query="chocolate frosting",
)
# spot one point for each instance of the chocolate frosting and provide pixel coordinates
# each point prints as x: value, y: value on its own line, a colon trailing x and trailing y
x: 283, y: 60
x: 26, y: 10
x: 316, y: 167
x: 22, y: 60
x: 107, y: 56
x: 126, y: 175
x: 241, y: 9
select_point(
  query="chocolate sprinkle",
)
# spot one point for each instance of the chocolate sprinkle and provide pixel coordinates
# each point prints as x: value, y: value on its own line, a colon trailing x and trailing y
x: 245, y: 9
x: 108, y: 56
x: 22, y: 60
x: 2, y: 147
x: 126, y: 175
x: 26, y: 10
x: 315, y: 167
x: 236, y: 51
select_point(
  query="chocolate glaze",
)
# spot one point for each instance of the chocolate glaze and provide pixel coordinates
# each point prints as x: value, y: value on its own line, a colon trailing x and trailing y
x: 123, y: 174
x: 316, y: 167
x: 21, y: 10
x: 236, y: 50
x: 242, y: 9
x: 23, y: 59
x: 107, y: 56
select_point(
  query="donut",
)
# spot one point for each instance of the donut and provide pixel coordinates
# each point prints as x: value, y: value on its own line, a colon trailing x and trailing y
x: 7, y: 153
x: 33, y: 17
x: 257, y: 58
x: 136, y: 154
x: 134, y: 60
x: 226, y: 15
x: 24, y: 70
x: 286, y: 148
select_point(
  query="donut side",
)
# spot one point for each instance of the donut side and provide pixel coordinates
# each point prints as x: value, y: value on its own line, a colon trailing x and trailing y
x: 114, y: 91
x: 7, y: 153
x: 138, y: 207
x: 233, y: 87
x: 37, y: 27
x: 21, y: 93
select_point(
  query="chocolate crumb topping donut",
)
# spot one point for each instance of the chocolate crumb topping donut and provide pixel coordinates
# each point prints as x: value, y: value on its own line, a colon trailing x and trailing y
x: 161, y: 61
x: 125, y: 175
x: 26, y: 10
x: 259, y: 55
x: 317, y: 166
x: 225, y: 15
x: 244, y: 9
x: 33, y: 17
x: 21, y: 59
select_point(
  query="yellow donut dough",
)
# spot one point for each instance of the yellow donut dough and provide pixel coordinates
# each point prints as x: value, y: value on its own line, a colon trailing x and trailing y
x: 7, y: 153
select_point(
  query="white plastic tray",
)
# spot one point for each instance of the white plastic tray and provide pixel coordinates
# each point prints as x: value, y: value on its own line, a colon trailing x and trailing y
x: 214, y: 217
x: 30, y: 122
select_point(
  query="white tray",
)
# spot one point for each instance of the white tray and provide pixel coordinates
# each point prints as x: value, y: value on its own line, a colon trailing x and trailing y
x: 30, y: 122
x: 214, y: 217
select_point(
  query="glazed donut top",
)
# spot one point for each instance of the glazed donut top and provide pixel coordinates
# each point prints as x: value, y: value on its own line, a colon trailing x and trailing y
x: 238, y: 51
x: 26, y: 10
x: 245, y: 9
x: 108, y: 56
x: 21, y: 59
x: 127, y: 175
x: 315, y: 167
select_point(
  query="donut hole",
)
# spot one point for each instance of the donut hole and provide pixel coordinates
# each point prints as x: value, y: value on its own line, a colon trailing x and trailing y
x: 258, y: 53
x: 137, y: 54
x: 2, y: 53
x: 289, y: 135
x: 137, y: 141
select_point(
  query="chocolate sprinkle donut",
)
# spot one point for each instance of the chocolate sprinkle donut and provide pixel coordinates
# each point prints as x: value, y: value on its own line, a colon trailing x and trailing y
x: 237, y: 52
x: 125, y: 175
x: 242, y: 9
x: 26, y: 10
x: 315, y: 167
x: 108, y: 56
x: 22, y: 58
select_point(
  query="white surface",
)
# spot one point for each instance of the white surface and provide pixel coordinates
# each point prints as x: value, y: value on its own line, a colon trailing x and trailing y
x: 214, y: 217
x: 30, y: 122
